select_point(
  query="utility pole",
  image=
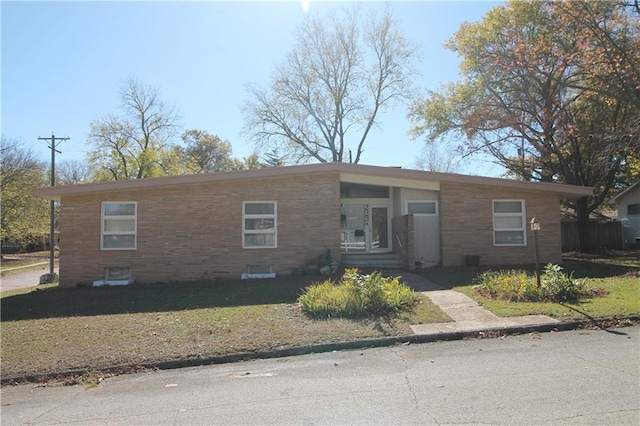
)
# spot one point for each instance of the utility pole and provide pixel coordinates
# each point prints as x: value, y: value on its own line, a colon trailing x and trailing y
x: 52, y: 147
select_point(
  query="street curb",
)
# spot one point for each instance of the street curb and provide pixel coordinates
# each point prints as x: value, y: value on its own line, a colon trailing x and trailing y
x: 325, y: 347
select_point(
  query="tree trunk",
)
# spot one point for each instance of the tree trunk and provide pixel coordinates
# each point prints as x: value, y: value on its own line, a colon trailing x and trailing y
x: 582, y: 216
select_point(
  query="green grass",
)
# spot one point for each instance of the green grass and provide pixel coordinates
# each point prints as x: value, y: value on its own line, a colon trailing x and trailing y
x: 623, y: 299
x: 617, y: 272
x: 49, y: 329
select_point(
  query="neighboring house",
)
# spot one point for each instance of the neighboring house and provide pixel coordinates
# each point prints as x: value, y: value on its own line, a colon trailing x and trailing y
x: 281, y: 220
x: 628, y: 202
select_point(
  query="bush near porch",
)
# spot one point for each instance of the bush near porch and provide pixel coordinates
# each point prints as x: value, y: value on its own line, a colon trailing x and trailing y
x: 357, y: 295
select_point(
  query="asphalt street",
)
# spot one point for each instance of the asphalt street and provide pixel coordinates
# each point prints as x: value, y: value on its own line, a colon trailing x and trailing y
x: 572, y: 377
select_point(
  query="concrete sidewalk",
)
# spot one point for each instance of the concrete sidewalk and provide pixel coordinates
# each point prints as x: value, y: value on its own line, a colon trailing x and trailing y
x: 467, y: 314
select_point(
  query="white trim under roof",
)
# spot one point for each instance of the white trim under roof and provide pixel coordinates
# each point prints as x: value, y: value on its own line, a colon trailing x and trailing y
x: 390, y: 181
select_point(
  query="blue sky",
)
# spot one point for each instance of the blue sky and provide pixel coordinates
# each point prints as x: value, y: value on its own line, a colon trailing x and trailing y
x: 64, y: 62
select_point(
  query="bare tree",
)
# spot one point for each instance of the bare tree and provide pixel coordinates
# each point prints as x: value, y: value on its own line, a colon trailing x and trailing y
x: 436, y: 158
x: 72, y: 172
x: 133, y: 146
x: 341, y: 74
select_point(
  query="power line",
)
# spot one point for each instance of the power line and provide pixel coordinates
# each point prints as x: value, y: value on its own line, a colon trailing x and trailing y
x: 53, y: 149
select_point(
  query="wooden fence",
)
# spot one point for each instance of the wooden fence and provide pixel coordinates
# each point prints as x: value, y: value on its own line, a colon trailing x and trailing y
x: 604, y: 235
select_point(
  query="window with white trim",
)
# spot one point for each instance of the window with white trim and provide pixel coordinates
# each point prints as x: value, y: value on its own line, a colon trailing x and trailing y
x: 427, y: 207
x: 259, y: 224
x: 118, y: 226
x: 509, y: 223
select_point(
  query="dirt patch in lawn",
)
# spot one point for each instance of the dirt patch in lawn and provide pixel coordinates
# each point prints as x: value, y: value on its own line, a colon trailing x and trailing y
x: 50, y: 329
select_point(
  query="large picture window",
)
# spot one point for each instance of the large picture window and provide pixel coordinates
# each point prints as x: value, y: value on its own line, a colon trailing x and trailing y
x: 509, y: 227
x: 118, y: 228
x: 259, y: 224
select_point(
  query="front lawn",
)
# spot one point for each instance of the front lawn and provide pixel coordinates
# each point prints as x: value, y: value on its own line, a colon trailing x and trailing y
x: 618, y: 272
x: 49, y: 329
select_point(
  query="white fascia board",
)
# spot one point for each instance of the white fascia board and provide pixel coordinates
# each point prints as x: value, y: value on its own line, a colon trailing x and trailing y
x: 390, y: 181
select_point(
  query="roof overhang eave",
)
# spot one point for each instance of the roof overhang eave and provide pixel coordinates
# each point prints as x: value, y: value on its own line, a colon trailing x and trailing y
x: 563, y: 190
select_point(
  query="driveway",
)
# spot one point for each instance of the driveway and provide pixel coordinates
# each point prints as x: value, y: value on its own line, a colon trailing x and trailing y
x: 23, y: 279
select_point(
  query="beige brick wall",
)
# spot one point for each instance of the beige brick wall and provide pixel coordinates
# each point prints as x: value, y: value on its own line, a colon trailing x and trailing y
x: 195, y: 231
x: 467, y: 225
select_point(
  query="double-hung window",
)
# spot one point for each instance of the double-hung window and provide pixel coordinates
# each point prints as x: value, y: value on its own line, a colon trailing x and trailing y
x: 118, y: 227
x: 509, y: 223
x: 259, y: 224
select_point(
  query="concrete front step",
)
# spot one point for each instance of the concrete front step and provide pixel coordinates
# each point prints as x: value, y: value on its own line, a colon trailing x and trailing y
x: 369, y: 260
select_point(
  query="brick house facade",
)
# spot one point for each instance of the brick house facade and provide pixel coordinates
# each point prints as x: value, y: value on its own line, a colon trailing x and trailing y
x: 283, y: 219
x: 467, y: 224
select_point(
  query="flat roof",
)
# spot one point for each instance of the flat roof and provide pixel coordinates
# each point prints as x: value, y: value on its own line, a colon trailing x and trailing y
x: 392, y: 173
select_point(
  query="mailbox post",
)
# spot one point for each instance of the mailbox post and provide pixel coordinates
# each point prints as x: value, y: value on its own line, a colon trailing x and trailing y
x: 535, y: 227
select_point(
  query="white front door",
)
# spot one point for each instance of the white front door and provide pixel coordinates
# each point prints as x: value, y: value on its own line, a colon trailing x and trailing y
x: 365, y: 228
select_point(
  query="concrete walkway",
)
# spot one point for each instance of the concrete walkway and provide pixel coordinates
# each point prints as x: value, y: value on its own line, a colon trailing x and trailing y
x: 467, y: 314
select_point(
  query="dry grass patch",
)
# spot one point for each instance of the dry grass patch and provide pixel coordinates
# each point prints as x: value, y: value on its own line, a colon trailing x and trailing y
x: 50, y: 329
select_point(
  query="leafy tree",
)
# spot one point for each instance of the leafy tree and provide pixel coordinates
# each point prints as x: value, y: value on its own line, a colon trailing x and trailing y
x: 203, y: 153
x: 341, y: 74
x: 23, y: 217
x: 273, y: 158
x: 607, y: 32
x: 252, y: 161
x: 137, y: 144
x: 538, y: 95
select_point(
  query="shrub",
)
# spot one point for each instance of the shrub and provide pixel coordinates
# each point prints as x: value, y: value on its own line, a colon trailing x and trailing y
x: 356, y: 295
x: 512, y: 285
x: 518, y: 286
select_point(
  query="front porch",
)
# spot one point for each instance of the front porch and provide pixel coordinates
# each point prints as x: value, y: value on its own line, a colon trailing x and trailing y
x: 391, y: 227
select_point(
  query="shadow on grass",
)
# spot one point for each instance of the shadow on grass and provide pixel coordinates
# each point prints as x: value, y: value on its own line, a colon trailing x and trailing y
x: 603, y: 265
x: 593, y: 320
x: 67, y: 302
x: 587, y: 269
